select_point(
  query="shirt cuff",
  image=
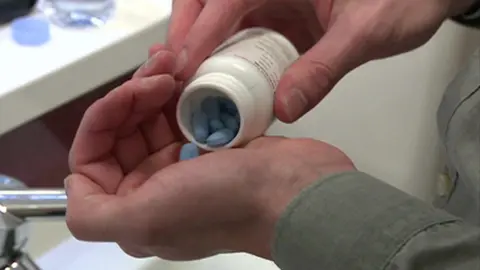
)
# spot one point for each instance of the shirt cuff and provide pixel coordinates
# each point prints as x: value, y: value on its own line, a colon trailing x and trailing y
x: 349, y: 221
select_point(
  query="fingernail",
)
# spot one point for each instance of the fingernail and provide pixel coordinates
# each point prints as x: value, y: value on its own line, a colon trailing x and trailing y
x: 148, y: 64
x: 181, y: 61
x: 295, y: 104
x: 142, y: 69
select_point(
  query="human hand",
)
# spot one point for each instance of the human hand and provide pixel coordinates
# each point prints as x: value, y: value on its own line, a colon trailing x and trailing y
x: 335, y: 36
x: 127, y: 185
x: 127, y: 130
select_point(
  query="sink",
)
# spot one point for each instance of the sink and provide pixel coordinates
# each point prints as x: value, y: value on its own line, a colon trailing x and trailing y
x: 221, y: 262
x: 53, y: 247
x: 44, y: 235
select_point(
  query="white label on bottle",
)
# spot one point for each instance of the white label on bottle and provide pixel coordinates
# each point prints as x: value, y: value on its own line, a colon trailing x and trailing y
x: 261, y: 48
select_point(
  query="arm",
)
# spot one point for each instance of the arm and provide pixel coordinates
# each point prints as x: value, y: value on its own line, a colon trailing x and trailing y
x: 354, y: 221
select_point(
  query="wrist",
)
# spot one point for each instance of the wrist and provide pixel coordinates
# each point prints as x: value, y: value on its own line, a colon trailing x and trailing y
x: 284, y: 169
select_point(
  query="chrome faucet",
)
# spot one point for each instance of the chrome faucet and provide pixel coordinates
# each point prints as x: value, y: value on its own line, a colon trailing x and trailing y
x: 19, y: 204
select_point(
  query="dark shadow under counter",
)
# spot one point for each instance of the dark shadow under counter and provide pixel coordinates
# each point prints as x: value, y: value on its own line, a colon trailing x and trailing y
x: 37, y: 152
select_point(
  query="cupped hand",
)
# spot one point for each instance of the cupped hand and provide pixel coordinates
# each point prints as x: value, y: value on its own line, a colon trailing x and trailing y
x: 128, y: 187
x: 335, y: 36
x: 226, y: 201
x: 125, y: 136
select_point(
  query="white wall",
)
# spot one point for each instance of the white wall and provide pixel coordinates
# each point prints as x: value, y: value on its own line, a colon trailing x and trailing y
x: 383, y: 114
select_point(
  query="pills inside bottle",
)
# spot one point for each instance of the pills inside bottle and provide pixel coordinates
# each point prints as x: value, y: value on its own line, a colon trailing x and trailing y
x: 229, y: 101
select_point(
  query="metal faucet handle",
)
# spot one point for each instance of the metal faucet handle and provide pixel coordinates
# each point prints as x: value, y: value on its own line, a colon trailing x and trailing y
x: 31, y: 203
x: 17, y: 205
x: 13, y: 237
x: 24, y: 202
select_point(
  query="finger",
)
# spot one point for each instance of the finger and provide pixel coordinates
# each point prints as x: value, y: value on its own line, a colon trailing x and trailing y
x: 184, y: 15
x: 116, y: 115
x: 148, y: 167
x: 170, y: 111
x: 313, y: 75
x: 156, y: 48
x: 155, y: 128
x: 93, y: 215
x: 128, y: 151
x: 160, y: 61
x: 215, y: 24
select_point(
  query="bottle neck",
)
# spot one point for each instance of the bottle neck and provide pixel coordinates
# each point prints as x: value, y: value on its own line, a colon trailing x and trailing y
x: 217, y: 85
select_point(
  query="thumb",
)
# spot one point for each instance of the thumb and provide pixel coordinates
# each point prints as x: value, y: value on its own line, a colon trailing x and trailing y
x: 314, y: 74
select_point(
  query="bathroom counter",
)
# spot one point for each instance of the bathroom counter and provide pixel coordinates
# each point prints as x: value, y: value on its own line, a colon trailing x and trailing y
x: 36, y: 80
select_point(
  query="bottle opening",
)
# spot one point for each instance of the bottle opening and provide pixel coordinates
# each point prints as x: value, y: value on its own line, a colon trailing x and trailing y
x: 209, y: 118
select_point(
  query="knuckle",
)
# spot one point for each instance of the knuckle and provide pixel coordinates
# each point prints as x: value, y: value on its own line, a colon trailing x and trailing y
x: 321, y: 75
x: 130, y: 84
x: 313, y: 78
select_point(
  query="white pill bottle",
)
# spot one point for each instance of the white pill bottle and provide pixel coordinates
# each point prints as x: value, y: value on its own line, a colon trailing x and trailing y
x: 245, y: 69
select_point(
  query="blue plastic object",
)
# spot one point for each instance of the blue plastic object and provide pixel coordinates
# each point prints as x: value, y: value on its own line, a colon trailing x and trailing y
x: 210, y: 106
x: 227, y: 106
x: 189, y: 151
x: 29, y: 31
x: 216, y: 122
x: 229, y: 122
x: 216, y: 125
x: 220, y: 138
x: 200, y: 126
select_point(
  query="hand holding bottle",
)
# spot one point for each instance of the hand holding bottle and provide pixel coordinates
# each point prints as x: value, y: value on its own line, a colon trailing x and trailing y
x: 335, y: 36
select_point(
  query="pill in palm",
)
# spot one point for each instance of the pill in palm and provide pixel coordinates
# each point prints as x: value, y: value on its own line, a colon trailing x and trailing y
x: 200, y: 126
x: 189, y: 151
x: 220, y: 138
x: 216, y: 125
x: 229, y: 122
x: 210, y: 106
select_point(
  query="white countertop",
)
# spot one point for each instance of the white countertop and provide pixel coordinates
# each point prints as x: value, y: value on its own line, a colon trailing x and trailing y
x: 35, y: 80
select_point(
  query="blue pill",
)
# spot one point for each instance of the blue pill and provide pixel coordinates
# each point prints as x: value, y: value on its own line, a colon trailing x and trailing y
x: 200, y: 126
x: 220, y: 138
x: 216, y: 125
x: 229, y: 122
x: 210, y: 106
x: 189, y: 151
x: 227, y: 105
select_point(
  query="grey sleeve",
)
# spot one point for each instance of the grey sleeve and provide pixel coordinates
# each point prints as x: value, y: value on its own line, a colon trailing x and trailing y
x: 356, y: 222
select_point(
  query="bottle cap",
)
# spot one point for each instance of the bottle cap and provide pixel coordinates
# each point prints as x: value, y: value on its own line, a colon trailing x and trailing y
x: 29, y: 31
